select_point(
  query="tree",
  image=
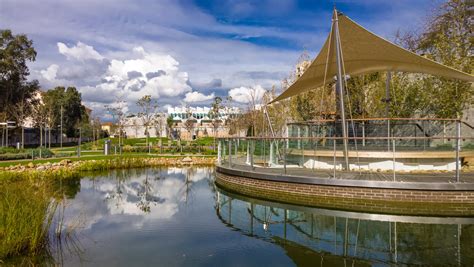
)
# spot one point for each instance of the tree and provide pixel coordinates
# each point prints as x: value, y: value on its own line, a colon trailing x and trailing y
x: 118, y: 115
x: 21, y: 111
x: 446, y: 38
x: 278, y: 113
x: 15, y: 52
x: 214, y: 115
x: 148, y: 108
x: 190, y: 122
x: 40, y: 119
x: 74, y: 113
x: 158, y: 124
x: 169, y: 124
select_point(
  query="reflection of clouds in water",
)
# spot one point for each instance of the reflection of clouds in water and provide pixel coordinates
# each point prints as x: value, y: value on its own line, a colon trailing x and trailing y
x: 144, y: 197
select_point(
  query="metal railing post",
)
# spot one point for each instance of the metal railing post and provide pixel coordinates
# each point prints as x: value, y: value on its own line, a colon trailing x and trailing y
x: 334, y: 162
x: 394, y: 163
x: 284, y: 156
x: 252, y: 149
x: 219, y: 152
x: 458, y: 148
x: 363, y: 133
x: 230, y: 152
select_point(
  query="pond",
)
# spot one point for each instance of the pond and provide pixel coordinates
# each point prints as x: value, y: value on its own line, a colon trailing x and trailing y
x: 178, y: 217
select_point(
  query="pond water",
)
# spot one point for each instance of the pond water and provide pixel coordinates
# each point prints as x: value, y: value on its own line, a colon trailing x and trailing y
x: 178, y: 217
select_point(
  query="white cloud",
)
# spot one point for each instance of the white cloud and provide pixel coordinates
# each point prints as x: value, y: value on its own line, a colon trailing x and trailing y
x: 247, y: 94
x: 192, y: 97
x: 80, y: 52
x: 50, y: 73
x: 137, y: 73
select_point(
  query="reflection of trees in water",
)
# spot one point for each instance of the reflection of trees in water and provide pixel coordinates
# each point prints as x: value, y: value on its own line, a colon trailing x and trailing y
x: 146, y: 193
x: 380, y: 242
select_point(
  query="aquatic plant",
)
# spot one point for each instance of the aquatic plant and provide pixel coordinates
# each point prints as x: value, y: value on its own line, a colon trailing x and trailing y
x: 26, y: 212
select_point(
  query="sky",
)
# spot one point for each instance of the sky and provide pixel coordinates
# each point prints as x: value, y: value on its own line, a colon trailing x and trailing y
x: 186, y: 52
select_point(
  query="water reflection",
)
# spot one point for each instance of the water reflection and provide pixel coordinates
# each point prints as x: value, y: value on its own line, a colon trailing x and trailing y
x: 312, y: 236
x: 167, y: 217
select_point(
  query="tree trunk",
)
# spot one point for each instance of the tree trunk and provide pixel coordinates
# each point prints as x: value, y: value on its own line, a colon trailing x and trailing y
x: 49, y: 138
x: 41, y: 136
x: 22, y: 137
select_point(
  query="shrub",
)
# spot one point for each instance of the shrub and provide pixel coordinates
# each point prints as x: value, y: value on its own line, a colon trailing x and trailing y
x: 10, y: 156
x: 45, y: 153
x: 127, y: 148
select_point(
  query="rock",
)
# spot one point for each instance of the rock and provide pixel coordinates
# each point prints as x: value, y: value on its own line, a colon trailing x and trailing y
x: 41, y: 168
x: 187, y: 160
x: 65, y: 162
x: 30, y: 165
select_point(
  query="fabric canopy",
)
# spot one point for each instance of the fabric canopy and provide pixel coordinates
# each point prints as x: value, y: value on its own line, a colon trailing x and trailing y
x: 364, y: 52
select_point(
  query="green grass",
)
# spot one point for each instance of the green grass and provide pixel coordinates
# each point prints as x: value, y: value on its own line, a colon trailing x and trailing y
x: 29, y: 199
x: 26, y: 213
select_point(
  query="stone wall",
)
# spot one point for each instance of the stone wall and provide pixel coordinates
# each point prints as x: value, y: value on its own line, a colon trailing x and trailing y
x: 393, y: 201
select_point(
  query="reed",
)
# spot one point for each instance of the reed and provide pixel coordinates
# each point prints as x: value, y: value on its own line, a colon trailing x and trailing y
x: 26, y: 213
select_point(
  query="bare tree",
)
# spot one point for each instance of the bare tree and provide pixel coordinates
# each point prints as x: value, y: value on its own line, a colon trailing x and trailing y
x: 158, y: 124
x: 190, y: 122
x: 148, y: 107
x: 118, y: 115
x: 40, y: 118
x: 214, y: 115
x: 19, y: 111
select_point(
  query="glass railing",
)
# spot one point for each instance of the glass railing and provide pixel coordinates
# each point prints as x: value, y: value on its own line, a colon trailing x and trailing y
x: 436, y: 155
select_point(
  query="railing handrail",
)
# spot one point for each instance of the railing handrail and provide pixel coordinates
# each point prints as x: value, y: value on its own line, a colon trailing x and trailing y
x: 381, y: 119
x: 348, y: 138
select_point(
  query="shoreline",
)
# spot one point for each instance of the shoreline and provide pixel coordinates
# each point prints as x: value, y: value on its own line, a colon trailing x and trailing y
x: 67, y: 168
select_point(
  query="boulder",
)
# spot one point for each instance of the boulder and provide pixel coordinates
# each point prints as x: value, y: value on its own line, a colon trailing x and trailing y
x: 65, y: 162
x: 41, y: 168
x: 187, y: 160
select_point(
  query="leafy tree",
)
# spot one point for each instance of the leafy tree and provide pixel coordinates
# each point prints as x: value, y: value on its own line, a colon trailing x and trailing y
x: 74, y: 113
x: 15, y: 52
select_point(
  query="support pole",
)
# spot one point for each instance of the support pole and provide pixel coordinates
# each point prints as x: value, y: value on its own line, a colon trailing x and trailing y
x: 61, y: 134
x: 230, y: 152
x: 458, y: 147
x: 340, y: 90
x: 387, y: 106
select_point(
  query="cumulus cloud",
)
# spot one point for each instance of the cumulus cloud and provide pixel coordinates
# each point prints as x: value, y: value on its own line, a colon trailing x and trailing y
x: 192, y: 97
x: 247, y: 94
x: 50, y: 73
x: 80, y: 52
x: 137, y: 73
x: 151, y: 75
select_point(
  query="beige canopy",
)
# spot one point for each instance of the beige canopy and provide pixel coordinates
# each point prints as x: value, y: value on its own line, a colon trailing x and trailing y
x: 364, y: 52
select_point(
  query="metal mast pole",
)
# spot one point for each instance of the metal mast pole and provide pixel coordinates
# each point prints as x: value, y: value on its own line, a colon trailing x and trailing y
x: 61, y: 139
x: 387, y: 106
x: 340, y: 89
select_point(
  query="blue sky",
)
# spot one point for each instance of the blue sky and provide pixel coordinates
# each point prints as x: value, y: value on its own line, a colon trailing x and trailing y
x: 185, y: 52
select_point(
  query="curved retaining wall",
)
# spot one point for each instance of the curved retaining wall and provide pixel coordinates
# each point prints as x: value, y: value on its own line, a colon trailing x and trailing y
x: 436, y: 201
